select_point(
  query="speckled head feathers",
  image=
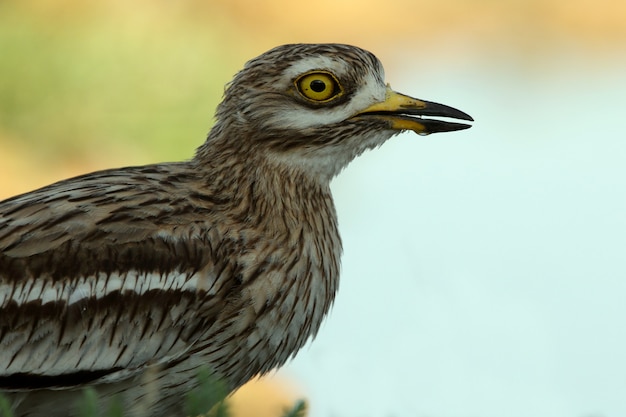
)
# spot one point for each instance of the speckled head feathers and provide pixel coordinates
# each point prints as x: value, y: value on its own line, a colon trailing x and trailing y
x: 271, y: 106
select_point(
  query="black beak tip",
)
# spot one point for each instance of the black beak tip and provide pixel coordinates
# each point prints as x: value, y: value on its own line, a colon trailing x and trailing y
x: 437, y: 126
x: 467, y: 117
x: 441, y: 110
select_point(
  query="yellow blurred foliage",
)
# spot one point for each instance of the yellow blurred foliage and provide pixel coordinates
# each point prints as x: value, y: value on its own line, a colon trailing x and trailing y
x: 357, y: 20
x: 265, y: 397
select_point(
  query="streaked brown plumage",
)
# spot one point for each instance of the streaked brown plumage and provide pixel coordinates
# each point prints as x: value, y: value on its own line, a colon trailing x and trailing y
x: 131, y: 279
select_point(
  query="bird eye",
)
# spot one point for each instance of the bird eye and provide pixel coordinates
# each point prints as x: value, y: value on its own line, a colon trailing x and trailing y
x: 319, y: 86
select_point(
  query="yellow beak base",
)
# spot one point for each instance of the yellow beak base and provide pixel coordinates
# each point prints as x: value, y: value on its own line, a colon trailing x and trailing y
x: 400, y: 110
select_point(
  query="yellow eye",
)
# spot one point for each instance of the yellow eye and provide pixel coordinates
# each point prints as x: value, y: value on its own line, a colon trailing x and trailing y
x: 319, y: 86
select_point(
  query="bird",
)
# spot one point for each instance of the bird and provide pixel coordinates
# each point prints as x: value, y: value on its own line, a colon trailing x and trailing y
x: 130, y: 280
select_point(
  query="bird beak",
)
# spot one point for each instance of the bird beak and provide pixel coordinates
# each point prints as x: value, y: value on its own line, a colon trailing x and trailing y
x: 398, y: 109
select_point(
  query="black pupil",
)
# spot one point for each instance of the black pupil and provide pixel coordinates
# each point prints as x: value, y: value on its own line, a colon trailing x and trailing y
x: 318, y: 86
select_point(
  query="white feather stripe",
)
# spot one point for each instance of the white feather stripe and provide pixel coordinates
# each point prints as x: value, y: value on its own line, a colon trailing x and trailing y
x: 94, y: 286
x: 109, y: 336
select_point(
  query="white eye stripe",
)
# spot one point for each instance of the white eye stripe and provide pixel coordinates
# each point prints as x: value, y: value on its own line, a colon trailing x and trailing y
x: 322, y: 63
x: 298, y: 117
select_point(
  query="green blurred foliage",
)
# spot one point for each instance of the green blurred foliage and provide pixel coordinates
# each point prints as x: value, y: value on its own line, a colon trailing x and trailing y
x: 207, y: 399
x: 208, y: 396
x: 75, y: 82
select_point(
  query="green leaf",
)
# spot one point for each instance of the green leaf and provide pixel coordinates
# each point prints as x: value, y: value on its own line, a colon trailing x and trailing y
x: 88, y: 405
x: 209, y: 393
x: 298, y: 410
x: 5, y: 407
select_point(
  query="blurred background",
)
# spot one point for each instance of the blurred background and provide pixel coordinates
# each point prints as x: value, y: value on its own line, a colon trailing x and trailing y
x: 484, y: 271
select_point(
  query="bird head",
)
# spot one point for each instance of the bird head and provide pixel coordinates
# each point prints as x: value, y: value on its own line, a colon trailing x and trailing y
x: 317, y: 106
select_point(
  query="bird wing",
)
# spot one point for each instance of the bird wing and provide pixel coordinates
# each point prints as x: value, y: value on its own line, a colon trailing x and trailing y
x: 105, y: 274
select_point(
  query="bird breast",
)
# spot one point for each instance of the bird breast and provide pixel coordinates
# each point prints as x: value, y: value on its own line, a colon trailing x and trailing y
x: 288, y: 280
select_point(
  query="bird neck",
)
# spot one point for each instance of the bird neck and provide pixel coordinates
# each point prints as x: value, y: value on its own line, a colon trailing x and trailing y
x: 262, y: 190
x: 285, y: 221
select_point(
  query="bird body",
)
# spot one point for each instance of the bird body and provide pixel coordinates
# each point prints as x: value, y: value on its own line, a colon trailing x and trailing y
x: 190, y: 283
x: 130, y: 280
